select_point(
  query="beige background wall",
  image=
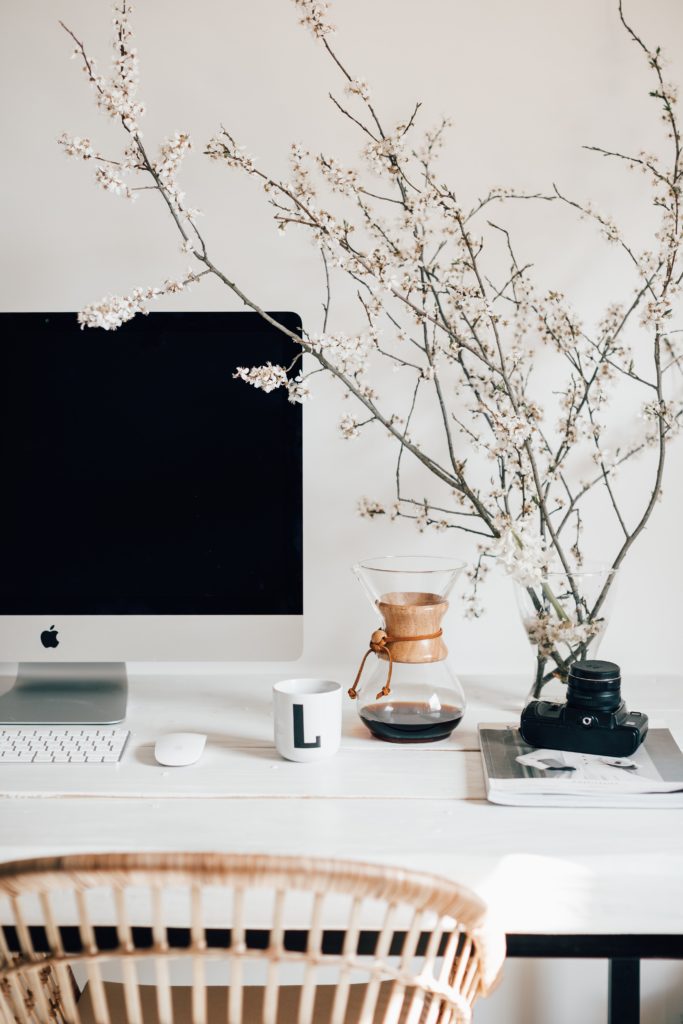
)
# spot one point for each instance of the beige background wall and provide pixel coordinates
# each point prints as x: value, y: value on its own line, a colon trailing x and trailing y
x: 526, y: 84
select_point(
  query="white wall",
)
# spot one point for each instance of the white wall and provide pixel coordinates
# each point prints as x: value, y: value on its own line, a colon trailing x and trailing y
x: 527, y: 83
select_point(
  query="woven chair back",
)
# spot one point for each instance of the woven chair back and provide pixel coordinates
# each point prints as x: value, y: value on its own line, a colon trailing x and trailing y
x: 240, y: 939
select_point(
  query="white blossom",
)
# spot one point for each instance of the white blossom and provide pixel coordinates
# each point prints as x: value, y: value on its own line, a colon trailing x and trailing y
x: 117, y: 96
x: 422, y: 519
x: 368, y: 508
x: 171, y: 153
x: 656, y: 312
x: 114, y: 310
x: 521, y: 554
x: 224, y: 148
x: 358, y: 87
x: 111, y: 182
x: 298, y: 390
x: 166, y: 167
x: 348, y: 427
x: 341, y: 179
x: 314, y: 16
x: 547, y: 632
x: 473, y: 608
x: 348, y: 353
x: 76, y: 147
x: 267, y: 378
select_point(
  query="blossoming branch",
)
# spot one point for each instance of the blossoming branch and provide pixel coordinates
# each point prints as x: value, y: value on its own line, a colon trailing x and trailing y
x: 438, y: 322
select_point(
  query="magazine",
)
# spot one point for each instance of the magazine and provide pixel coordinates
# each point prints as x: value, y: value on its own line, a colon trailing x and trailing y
x: 516, y: 773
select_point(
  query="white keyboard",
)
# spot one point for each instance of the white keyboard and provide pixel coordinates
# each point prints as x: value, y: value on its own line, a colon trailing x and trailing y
x: 61, y: 744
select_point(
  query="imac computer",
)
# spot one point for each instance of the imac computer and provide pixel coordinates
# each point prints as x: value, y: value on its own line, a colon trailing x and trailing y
x: 151, y: 505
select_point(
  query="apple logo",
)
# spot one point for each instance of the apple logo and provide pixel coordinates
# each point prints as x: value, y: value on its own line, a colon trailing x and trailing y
x: 48, y: 637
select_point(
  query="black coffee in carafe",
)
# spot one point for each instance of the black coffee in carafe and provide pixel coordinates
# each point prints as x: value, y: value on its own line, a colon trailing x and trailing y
x: 410, y: 721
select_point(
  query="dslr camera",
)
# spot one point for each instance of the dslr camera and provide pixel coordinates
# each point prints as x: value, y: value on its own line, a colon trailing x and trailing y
x: 594, y: 719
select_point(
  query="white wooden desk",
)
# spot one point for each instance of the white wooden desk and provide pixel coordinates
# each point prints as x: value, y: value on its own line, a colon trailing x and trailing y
x: 561, y: 881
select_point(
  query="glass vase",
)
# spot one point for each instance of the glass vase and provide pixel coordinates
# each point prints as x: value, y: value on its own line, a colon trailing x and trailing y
x: 565, y: 616
x: 408, y: 693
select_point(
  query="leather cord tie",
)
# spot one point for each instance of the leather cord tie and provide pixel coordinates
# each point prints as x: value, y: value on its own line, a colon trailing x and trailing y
x: 380, y: 643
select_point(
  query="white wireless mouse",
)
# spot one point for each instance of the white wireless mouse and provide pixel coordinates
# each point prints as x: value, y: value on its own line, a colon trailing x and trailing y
x: 178, y: 749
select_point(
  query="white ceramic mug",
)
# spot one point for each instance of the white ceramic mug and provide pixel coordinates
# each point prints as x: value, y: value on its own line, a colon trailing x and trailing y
x: 307, y: 718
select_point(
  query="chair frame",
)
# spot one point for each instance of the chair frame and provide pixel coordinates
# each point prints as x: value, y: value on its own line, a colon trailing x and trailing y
x: 38, y: 987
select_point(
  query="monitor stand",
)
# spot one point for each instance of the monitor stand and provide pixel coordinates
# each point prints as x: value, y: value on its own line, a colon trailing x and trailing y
x: 78, y: 693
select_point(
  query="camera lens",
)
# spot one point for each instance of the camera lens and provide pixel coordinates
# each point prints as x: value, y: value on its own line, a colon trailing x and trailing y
x: 595, y: 685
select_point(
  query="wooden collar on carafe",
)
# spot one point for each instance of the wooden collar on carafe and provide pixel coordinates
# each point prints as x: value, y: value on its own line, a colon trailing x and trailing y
x: 380, y: 643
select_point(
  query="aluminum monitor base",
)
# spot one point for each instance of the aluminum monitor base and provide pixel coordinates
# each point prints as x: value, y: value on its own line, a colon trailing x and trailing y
x: 74, y: 693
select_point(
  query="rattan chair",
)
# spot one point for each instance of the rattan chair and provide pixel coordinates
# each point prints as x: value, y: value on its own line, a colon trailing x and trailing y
x: 336, y: 942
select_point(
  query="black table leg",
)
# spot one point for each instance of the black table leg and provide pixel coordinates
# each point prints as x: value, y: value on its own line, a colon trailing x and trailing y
x: 624, y: 991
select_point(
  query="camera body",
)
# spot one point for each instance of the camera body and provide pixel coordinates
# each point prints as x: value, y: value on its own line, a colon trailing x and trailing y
x: 594, y: 719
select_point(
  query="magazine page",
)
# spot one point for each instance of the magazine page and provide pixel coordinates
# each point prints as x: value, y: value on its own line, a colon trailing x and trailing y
x: 512, y: 766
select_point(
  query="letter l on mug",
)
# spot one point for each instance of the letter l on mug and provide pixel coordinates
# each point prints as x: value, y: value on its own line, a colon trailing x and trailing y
x: 299, y: 731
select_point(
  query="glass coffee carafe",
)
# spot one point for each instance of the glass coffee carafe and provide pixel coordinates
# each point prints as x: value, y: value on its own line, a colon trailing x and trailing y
x: 409, y: 693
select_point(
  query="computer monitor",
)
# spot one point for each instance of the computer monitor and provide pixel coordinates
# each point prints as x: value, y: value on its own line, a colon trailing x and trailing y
x: 151, y: 504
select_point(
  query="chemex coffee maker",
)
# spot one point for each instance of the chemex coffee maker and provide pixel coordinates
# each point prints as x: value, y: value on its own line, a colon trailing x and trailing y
x: 409, y: 694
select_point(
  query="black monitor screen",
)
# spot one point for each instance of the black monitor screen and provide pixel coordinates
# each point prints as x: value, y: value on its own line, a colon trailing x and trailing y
x: 139, y: 477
